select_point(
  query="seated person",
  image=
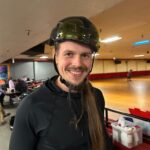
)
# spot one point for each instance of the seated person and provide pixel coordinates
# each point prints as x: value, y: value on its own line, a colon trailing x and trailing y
x: 11, y: 83
x: 21, y: 86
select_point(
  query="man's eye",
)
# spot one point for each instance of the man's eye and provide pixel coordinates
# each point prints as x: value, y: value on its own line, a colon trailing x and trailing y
x: 69, y: 54
x: 86, y: 55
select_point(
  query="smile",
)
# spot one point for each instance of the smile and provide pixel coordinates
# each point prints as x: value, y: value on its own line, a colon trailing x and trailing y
x: 75, y: 72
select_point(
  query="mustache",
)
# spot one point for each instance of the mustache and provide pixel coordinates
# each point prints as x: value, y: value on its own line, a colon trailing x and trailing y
x: 81, y: 68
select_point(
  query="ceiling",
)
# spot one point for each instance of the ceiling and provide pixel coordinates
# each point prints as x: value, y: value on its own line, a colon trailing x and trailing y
x: 25, y: 25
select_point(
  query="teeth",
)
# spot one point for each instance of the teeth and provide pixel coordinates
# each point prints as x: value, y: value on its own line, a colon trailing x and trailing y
x: 77, y: 73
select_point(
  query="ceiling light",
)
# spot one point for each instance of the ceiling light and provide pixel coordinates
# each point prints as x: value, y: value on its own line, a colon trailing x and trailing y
x: 138, y: 55
x: 95, y: 54
x: 13, y: 60
x: 141, y: 42
x: 44, y: 57
x: 111, y: 39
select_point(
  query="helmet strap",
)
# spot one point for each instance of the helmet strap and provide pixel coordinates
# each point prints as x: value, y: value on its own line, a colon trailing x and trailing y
x: 92, y: 63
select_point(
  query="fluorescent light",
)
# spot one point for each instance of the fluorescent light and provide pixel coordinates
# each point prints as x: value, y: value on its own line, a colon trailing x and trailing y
x: 141, y: 42
x: 13, y: 60
x: 44, y: 57
x: 138, y: 55
x: 111, y: 39
x: 95, y: 54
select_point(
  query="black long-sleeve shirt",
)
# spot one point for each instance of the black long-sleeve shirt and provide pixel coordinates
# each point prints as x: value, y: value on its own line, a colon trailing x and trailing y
x: 43, y: 121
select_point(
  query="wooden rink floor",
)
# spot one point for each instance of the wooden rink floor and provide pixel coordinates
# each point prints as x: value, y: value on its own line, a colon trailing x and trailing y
x: 121, y: 94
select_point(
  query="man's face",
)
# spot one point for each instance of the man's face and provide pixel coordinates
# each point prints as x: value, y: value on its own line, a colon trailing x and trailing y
x: 74, y: 61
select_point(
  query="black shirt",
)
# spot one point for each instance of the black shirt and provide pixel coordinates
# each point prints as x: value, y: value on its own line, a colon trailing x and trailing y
x: 43, y: 121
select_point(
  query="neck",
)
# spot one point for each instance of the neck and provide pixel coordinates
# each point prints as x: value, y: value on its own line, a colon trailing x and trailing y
x: 61, y: 85
x: 67, y: 87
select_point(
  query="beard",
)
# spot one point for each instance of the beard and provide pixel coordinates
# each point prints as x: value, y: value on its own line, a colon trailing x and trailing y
x: 71, y: 86
x: 74, y: 87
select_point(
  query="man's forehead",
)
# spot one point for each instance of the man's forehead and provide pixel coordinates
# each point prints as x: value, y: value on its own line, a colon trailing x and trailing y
x: 74, y: 47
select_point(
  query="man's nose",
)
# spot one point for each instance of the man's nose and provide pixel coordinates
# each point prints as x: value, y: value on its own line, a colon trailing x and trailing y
x: 77, y: 61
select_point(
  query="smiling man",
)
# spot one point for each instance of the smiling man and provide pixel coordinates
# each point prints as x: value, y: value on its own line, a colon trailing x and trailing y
x: 66, y: 113
x: 74, y: 62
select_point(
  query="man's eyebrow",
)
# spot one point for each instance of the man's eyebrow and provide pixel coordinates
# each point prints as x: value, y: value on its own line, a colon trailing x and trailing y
x: 69, y: 51
x: 86, y: 53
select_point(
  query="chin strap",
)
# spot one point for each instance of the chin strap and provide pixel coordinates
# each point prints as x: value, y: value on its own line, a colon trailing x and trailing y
x: 92, y: 62
x: 63, y: 81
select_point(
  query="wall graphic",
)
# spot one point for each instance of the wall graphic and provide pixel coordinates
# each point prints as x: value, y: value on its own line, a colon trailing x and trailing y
x: 3, y: 72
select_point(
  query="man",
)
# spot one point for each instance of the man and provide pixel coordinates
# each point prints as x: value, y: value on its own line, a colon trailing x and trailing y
x: 129, y: 75
x: 67, y: 112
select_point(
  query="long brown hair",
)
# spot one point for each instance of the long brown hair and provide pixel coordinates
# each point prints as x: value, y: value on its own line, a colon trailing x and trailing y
x: 94, y: 120
x: 90, y: 106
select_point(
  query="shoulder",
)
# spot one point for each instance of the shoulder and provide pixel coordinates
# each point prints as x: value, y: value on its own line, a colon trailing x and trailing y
x: 100, y: 98
x: 99, y: 95
x: 36, y: 109
x: 40, y: 99
x: 41, y: 96
x: 97, y: 91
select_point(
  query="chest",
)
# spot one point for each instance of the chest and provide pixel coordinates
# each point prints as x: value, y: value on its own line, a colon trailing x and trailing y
x: 61, y: 133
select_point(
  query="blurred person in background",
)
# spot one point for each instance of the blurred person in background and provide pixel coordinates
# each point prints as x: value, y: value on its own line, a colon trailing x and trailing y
x: 11, y: 84
x: 3, y: 114
x: 129, y: 75
x: 21, y: 86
